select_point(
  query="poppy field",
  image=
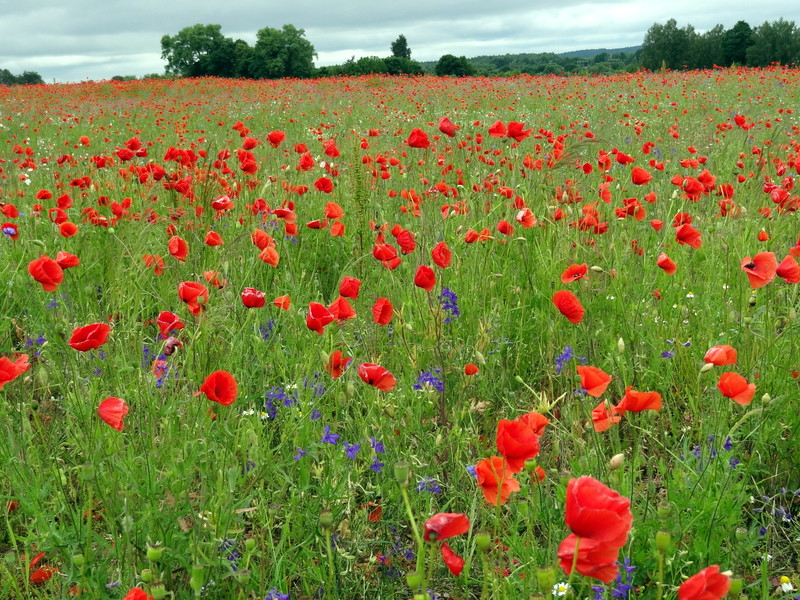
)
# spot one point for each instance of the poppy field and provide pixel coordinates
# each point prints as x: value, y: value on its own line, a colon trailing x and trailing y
x: 393, y: 337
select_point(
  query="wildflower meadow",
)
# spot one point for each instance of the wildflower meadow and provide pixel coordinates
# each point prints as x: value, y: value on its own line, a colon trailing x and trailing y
x: 401, y: 337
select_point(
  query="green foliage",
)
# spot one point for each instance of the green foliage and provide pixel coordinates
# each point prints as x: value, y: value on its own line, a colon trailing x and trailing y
x: 458, y: 66
x: 25, y: 78
x: 194, y: 50
x: 282, y: 53
x: 400, y: 47
x: 735, y: 43
x: 776, y: 42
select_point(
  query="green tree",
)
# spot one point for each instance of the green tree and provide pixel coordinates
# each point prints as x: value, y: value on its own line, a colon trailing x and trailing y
x: 454, y: 65
x: 192, y: 52
x: 400, y: 47
x: 778, y: 41
x: 396, y: 65
x: 735, y: 43
x: 282, y: 53
x: 708, y: 49
x: 668, y: 45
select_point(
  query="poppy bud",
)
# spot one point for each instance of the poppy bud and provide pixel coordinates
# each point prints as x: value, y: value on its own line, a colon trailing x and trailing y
x: 479, y: 358
x: 325, y: 357
x: 243, y: 577
x: 707, y: 367
x: 483, y: 540
x: 597, y: 269
x: 766, y: 398
x: 546, y: 578
x: 79, y: 560
x: 620, y: 345
x: 414, y: 580
x: 663, y: 541
x: 250, y: 544
x: 196, y: 580
x: 664, y: 511
x: 402, y: 472
x: 326, y: 519
x: 616, y: 462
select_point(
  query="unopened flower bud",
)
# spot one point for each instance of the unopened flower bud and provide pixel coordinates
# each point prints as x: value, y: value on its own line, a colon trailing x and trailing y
x: 707, y: 367
x: 326, y: 519
x: 766, y: 398
x: 79, y: 560
x: 597, y: 269
x: 197, y: 579
x: 250, y: 544
x: 324, y: 357
x: 482, y: 541
x: 620, y: 345
x: 616, y: 462
x: 479, y: 358
x: 663, y: 541
x: 402, y: 471
x: 546, y: 578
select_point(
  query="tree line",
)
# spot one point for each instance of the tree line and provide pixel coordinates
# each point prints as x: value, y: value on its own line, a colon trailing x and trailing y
x: 24, y: 78
x: 672, y: 47
x: 202, y: 50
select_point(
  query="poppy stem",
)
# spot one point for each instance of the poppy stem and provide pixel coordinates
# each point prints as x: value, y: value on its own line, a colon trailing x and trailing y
x: 574, y: 563
x: 420, y: 542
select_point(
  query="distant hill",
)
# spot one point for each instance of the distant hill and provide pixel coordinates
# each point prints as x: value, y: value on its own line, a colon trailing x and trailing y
x: 597, y: 60
x: 596, y: 51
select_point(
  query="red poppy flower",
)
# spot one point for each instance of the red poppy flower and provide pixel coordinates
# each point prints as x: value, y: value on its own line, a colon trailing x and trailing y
x: 568, y: 305
x: 341, y: 309
x: 593, y: 380
x: 350, y: 287
x: 455, y: 564
x: 253, y: 298
x: 734, y: 386
x: 595, y: 511
x: 760, y: 269
x: 708, y: 584
x: 384, y: 252
x: 441, y: 255
x: 89, y: 337
x: 191, y: 292
x: 442, y: 526
x: 447, y: 127
x: 10, y: 370
x: 282, y: 302
x: 666, y: 263
x: 721, y: 355
x: 66, y: 260
x: 377, y: 376
x: 495, y: 480
x: 47, y: 272
x: 337, y: 364
x: 214, y: 279
x: 574, y: 273
x: 382, y: 311
x: 517, y: 131
x: 323, y: 184
x: 220, y: 387
x: 41, y: 574
x: 112, y: 411
x: 213, y: 239
x: 516, y: 442
x: 137, y: 594
x: 634, y: 401
x: 406, y: 241
x: 688, y: 235
x: 318, y: 317
x: 10, y: 230
x: 270, y: 256
x: 167, y: 322
x: 470, y: 369
x: 789, y: 269
x: 154, y: 261
x: 425, y: 278
x: 657, y: 224
x: 418, y: 139
x: 178, y: 248
x: 595, y: 559
x: 526, y: 218
x: 275, y: 138
x: 604, y: 416
x: 497, y: 129
x: 536, y: 421
x: 640, y: 176
x: 68, y: 229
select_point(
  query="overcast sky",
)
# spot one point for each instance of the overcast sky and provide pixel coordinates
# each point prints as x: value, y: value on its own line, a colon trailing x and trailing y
x: 76, y: 40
